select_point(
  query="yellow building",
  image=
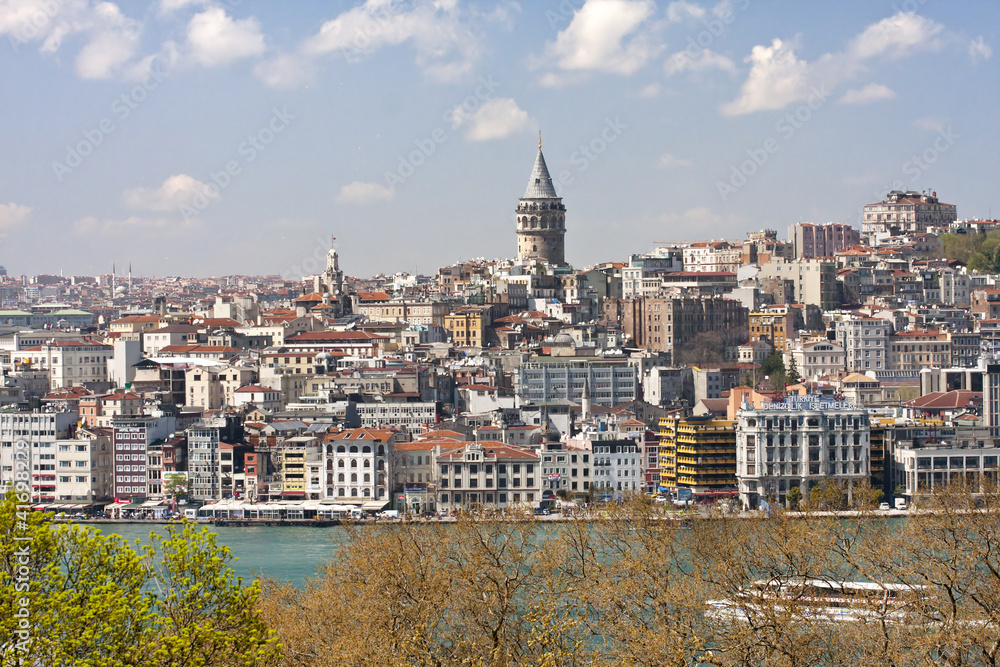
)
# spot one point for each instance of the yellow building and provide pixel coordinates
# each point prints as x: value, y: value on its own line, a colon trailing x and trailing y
x: 774, y: 325
x: 467, y: 326
x: 698, y: 453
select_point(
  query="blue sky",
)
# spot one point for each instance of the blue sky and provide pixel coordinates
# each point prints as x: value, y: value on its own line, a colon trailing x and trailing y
x: 211, y: 137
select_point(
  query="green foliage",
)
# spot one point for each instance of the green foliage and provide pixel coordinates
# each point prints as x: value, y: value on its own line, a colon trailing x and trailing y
x: 827, y: 496
x: 794, y: 497
x: 97, y: 600
x: 792, y: 375
x: 773, y: 365
x: 980, y: 252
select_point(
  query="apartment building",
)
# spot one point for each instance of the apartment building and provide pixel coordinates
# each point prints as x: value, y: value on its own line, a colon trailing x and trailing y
x: 800, y: 442
x: 357, y: 464
x: 825, y: 240
x: 914, y: 350
x: 488, y: 474
x: 618, y: 468
x: 698, y: 453
x: 865, y: 342
x: 28, y: 444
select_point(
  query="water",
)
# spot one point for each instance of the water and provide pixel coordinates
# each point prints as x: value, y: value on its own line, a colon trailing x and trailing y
x: 288, y: 554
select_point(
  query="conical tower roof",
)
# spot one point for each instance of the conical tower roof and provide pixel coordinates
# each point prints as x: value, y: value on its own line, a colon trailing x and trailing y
x: 540, y: 184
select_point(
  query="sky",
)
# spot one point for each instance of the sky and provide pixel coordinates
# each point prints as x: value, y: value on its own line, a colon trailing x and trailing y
x: 216, y: 137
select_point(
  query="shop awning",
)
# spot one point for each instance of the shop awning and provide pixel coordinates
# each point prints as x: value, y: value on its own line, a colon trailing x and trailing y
x: 374, y: 505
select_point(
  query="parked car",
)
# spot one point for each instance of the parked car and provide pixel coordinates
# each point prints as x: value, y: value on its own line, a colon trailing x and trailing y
x: 884, y: 506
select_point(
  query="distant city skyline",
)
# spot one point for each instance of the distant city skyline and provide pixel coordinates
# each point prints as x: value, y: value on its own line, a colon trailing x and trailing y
x: 202, y: 137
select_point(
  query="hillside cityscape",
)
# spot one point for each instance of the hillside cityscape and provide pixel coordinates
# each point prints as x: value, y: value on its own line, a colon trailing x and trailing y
x: 747, y: 371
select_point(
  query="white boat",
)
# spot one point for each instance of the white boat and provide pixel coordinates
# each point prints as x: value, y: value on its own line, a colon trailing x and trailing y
x: 822, y: 600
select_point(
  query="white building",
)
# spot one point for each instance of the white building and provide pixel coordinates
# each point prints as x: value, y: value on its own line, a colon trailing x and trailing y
x: 28, y: 445
x: 923, y: 469
x: 204, y: 460
x: 83, y: 470
x: 618, y: 468
x: 70, y: 363
x: 172, y: 334
x: 356, y: 464
x: 818, y: 359
x: 487, y: 474
x: 802, y: 441
x: 567, y: 467
x: 409, y: 417
x: 865, y: 341
x: 257, y: 396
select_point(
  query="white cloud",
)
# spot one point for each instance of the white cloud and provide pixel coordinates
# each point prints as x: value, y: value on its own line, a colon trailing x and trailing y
x: 778, y: 77
x: 494, y: 119
x: 438, y: 30
x: 216, y: 39
x: 177, y: 191
x: 12, y: 215
x: 896, y: 37
x: 669, y: 161
x: 167, y: 6
x: 930, y: 124
x: 360, y: 192
x: 706, y: 59
x: 606, y: 35
x: 873, y: 92
x: 114, y: 41
x: 286, y: 70
x: 682, y: 11
x: 980, y: 50
x: 651, y: 91
x: 110, y: 39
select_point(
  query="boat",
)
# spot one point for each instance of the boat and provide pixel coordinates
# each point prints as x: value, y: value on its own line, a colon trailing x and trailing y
x: 821, y: 600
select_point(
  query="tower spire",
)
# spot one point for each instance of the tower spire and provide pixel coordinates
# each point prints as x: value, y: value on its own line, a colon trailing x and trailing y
x: 539, y: 140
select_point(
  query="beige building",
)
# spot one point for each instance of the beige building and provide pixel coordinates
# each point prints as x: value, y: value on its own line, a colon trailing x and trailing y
x: 488, y: 474
x: 70, y: 363
x: 83, y: 470
x: 213, y: 387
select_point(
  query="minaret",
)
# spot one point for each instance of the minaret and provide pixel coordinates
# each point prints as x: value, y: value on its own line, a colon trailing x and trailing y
x: 130, y: 278
x: 541, y: 217
x: 585, y: 401
x: 113, y: 280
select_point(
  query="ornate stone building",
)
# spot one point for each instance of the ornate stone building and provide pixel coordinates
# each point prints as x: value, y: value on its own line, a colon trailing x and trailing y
x: 541, y: 218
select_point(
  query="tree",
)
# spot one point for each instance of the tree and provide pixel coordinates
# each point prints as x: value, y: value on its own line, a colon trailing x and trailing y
x: 703, y: 349
x: 794, y: 496
x: 827, y: 496
x: 95, y: 599
x: 792, y: 376
x: 774, y: 364
x: 177, y: 486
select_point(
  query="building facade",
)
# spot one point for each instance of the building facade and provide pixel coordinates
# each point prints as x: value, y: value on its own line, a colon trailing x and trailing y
x: 800, y: 442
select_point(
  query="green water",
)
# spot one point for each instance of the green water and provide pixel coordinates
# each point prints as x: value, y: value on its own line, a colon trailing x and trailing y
x: 286, y: 554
